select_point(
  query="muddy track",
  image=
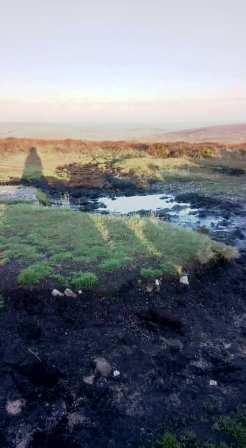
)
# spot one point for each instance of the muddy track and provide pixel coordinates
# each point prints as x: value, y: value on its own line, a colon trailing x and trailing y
x: 180, y: 353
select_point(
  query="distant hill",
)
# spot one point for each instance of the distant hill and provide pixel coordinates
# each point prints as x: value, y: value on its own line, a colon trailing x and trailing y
x: 233, y: 133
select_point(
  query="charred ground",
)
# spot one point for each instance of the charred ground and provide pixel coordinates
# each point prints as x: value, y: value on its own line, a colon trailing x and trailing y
x: 167, y: 346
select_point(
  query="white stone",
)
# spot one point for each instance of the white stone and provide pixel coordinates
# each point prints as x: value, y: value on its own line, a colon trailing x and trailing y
x: 103, y: 366
x: 14, y: 407
x: 75, y: 419
x: 116, y: 373
x: 69, y: 293
x: 89, y: 379
x: 57, y: 293
x: 149, y: 288
x: 184, y: 280
x: 213, y: 383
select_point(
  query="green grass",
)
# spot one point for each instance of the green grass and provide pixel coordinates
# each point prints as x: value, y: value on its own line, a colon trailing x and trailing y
x: 168, y: 441
x: 84, y: 280
x: 150, y: 273
x: 33, y: 275
x: 232, y: 429
x: 43, y: 243
x: 42, y: 197
x: 236, y: 428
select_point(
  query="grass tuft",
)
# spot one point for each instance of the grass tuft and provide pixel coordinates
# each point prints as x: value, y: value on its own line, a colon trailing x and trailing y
x: 42, y: 197
x: 150, y: 273
x: 168, y: 441
x: 84, y: 280
x: 34, y: 274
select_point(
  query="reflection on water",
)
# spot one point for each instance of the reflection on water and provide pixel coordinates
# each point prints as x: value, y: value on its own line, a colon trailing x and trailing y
x: 181, y: 213
x: 130, y: 204
x: 159, y: 205
x: 164, y: 206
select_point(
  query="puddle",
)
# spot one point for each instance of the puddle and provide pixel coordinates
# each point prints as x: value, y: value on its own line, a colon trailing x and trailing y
x: 165, y: 207
x: 215, y: 221
x: 131, y: 204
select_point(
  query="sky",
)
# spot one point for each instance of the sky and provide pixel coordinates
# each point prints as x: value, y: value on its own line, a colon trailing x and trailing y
x: 123, y: 61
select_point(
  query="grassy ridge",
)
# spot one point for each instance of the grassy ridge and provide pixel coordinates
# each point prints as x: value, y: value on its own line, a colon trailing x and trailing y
x: 83, y: 249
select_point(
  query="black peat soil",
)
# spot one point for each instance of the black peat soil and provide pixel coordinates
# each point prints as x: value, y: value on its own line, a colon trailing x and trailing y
x: 180, y: 352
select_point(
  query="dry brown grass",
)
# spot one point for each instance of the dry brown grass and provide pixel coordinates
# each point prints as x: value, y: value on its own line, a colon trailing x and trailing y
x: 117, y: 155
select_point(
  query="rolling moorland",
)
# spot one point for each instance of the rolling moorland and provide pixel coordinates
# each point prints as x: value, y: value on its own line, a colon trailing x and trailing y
x: 122, y: 329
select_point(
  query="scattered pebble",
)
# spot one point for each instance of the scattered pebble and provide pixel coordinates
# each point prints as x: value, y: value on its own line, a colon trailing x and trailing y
x: 184, y: 280
x: 116, y: 373
x: 74, y: 419
x: 103, y: 367
x: 69, y: 293
x: 25, y: 443
x: 213, y: 383
x: 80, y: 292
x: 149, y: 288
x: 57, y: 293
x: 89, y: 379
x: 157, y: 284
x: 14, y: 407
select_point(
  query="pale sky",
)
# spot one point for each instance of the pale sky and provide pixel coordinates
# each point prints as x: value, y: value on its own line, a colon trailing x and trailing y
x: 139, y: 61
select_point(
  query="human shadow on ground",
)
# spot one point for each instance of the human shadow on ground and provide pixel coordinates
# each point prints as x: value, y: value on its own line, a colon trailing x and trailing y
x: 33, y: 169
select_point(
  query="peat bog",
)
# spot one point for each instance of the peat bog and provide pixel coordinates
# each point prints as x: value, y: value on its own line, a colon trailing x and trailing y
x: 130, y: 357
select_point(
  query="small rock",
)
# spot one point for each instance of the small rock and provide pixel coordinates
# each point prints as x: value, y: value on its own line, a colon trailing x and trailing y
x: 74, y: 419
x: 58, y: 412
x: 14, y: 407
x: 80, y: 292
x: 103, y: 367
x: 173, y: 400
x: 213, y: 383
x: 157, y: 284
x: 69, y: 293
x: 200, y: 365
x: 173, y: 344
x: 116, y: 373
x: 184, y: 280
x: 89, y: 379
x: 25, y: 443
x: 57, y: 293
x: 149, y: 288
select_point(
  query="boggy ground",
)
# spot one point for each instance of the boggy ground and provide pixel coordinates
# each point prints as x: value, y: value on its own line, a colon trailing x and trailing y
x: 167, y: 346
